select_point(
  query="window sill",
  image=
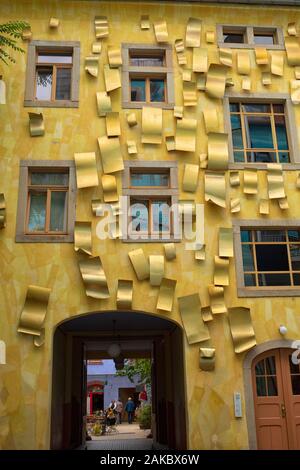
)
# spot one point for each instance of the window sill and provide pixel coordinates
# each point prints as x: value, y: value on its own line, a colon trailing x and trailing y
x: 276, y: 292
x: 271, y: 47
x: 132, y: 105
x: 261, y: 166
x: 24, y: 238
x: 51, y: 104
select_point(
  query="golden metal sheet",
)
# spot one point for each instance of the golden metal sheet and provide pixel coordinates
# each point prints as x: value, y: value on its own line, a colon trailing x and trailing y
x: 131, y: 147
x: 113, y: 128
x: 94, y: 278
x: 200, y: 254
x: 91, y: 65
x: 235, y: 205
x: 96, y: 48
x: 200, y: 60
x: 193, y: 33
x: 215, y: 188
x: 86, y: 170
x: 207, y: 359
x: 241, y: 328
x: 139, y: 264
x: 34, y: 310
x: 261, y: 56
x: 112, y: 78
x: 283, y: 203
x: 179, y: 45
x: 206, y: 314
x: 145, y: 22
x: 161, y: 31
x: 2, y: 91
x: 264, y: 207
x: 292, y: 29
x: 243, y: 62
x: 275, y: 181
x: 297, y: 183
x: 210, y: 37
x: 101, y: 27
x: 246, y: 84
x: 103, y: 103
x: 157, y: 269
x: 292, y: 48
x: 166, y: 295
x: 250, y: 181
x: 187, y: 75
x: 229, y: 82
x: 2, y: 211
x: 36, y: 124
x: 190, y: 310
x: 27, y: 34
x: 221, y: 272
x: 124, y: 294
x: 297, y: 72
x: 217, y: 302
x: 39, y: 341
x: 185, y: 139
x: 54, y: 23
x: 211, y: 120
x: 170, y: 251
x: 201, y: 82
x: 189, y: 94
x: 131, y: 119
x: 151, y: 125
x: 277, y: 62
x: 190, y: 177
x: 295, y: 91
x: 110, y: 149
x: 178, y: 112
x: 98, y: 207
x: 218, y: 153
x: 181, y: 58
x: 83, y: 237
x: 114, y: 56
x: 266, y: 78
x: 216, y: 80
x: 109, y: 186
x: 225, y: 56
x: 226, y: 242
x: 203, y: 159
x: 2, y: 353
x: 170, y: 142
x: 234, y: 178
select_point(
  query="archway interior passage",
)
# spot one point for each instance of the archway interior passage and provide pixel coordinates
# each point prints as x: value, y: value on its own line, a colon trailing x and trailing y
x: 140, y: 335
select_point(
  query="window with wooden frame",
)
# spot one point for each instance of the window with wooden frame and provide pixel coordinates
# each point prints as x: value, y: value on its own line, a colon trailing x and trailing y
x: 147, y: 76
x: 46, y: 206
x: 151, y: 192
x: 268, y: 259
x: 52, y: 78
x: 248, y: 37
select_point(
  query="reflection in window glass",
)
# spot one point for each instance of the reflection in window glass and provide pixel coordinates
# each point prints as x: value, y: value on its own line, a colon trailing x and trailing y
x: 258, y: 132
x: 58, y: 211
x: 138, y: 90
x: 154, y: 61
x: 139, y: 212
x: 294, y: 235
x: 249, y: 280
x: 264, y: 39
x: 256, y: 108
x: 235, y: 38
x: 63, y: 84
x: 270, y: 235
x: 37, y: 213
x: 260, y: 368
x: 295, y: 257
x: 160, y: 216
x: 270, y: 365
x: 53, y: 179
x: 248, y: 262
x: 236, y: 128
x: 274, y: 280
x: 246, y: 236
x: 44, y: 84
x: 149, y: 179
x: 157, y: 90
x: 281, y: 135
x: 48, y: 58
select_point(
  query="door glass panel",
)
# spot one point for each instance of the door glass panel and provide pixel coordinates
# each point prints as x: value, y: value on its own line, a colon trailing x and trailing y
x: 272, y: 386
x: 294, y: 368
x: 37, y: 214
x: 63, y: 84
x: 138, y: 90
x: 260, y: 368
x: 44, y: 84
x: 261, y: 389
x: 157, y: 90
x: 296, y: 384
x: 270, y: 365
x: 58, y: 211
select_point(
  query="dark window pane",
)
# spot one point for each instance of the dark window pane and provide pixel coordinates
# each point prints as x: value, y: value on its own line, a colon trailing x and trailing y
x: 161, y: 216
x: 149, y: 179
x: 272, y: 258
x: 237, y: 38
x: 249, y: 280
x: 239, y: 156
x: 63, y: 84
x: 284, y: 157
x: 278, y: 108
x: 58, y: 212
x: 157, y: 90
x: 64, y: 58
x: 246, y: 235
x: 61, y: 179
x: 270, y: 235
x: 274, y: 280
x: 282, y: 141
x: 294, y: 235
x: 263, y: 39
x: 43, y: 84
x: 294, y: 368
x: 270, y: 365
x: 258, y: 132
x: 296, y: 384
x: 295, y: 257
x: 154, y: 61
x: 138, y: 90
x: 37, y: 213
x: 256, y: 108
x: 272, y: 386
x: 234, y: 107
x: 260, y: 368
x: 236, y: 130
x: 261, y: 387
x: 247, y: 252
x: 139, y: 213
x: 264, y: 157
x: 296, y: 279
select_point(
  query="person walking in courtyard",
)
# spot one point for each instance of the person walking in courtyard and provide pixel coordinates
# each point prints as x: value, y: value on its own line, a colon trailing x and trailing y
x: 119, y: 411
x: 129, y: 408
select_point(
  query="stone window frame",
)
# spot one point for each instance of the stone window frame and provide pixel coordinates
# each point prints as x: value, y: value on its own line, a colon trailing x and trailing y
x: 248, y: 31
x: 25, y: 167
x: 172, y: 192
x: 29, y: 98
x: 291, y: 128
x: 127, y: 69
x: 253, y: 224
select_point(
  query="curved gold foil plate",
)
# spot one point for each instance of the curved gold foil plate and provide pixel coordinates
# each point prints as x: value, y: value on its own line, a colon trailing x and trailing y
x: 36, y: 124
x: 166, y: 295
x: 217, y: 302
x: 185, y: 138
x: 112, y: 78
x: 2, y: 211
x: 243, y: 62
x: 91, y: 65
x: 94, y: 278
x: 190, y: 310
x: 114, y: 56
x: 83, y: 237
x: 2, y: 353
x: 221, y: 273
x: 139, y: 264
x: 190, y: 177
x: 101, y: 27
x: 110, y: 190
x: 111, y: 155
x: 170, y: 251
x: 152, y: 121
x: 157, y: 269
x: 207, y: 359
x: 193, y: 32
x: 161, y: 31
x: 215, y: 188
x: 216, y: 80
x: 34, y: 311
x: 86, y: 170
x: 124, y: 294
x: 103, y: 103
x: 292, y: 47
x: 226, y: 242
x: 241, y: 328
x: 218, y: 153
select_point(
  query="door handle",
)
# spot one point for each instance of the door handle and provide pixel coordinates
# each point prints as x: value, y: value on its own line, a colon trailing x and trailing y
x: 283, y: 410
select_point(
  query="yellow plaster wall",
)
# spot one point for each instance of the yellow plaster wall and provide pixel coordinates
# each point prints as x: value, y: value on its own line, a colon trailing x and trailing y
x: 25, y: 382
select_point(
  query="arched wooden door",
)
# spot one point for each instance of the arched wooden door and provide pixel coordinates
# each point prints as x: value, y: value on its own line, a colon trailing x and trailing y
x: 276, y: 392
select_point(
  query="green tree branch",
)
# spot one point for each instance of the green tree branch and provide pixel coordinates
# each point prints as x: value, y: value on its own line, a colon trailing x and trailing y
x: 10, y: 33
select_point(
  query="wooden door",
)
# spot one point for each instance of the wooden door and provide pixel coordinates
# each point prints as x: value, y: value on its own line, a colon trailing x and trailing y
x: 276, y: 391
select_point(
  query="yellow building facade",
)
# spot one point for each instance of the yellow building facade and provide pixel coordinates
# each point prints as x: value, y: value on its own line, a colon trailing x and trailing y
x: 219, y: 408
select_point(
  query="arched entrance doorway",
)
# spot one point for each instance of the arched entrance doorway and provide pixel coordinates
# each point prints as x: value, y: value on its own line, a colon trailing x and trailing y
x: 143, y: 335
x: 273, y: 405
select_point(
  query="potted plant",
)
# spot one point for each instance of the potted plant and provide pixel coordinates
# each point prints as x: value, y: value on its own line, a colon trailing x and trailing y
x: 144, y: 417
